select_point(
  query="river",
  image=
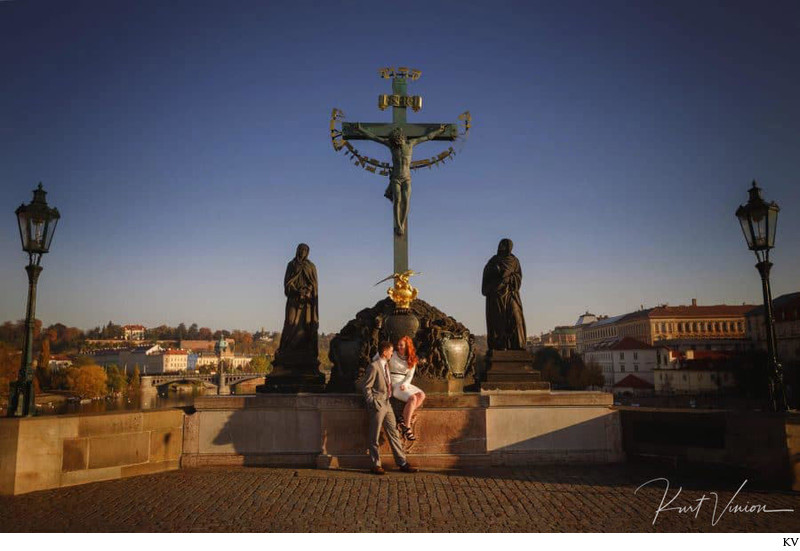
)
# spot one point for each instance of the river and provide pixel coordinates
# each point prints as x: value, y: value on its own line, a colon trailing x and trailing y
x: 49, y: 404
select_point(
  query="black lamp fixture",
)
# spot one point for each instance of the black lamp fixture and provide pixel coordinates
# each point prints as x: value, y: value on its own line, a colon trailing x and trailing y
x: 759, y: 220
x: 37, y: 224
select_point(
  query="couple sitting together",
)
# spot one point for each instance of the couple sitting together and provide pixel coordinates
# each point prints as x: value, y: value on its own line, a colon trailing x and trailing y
x: 388, y: 375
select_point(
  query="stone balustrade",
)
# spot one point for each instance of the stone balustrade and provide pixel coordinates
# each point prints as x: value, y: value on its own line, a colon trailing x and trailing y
x: 38, y: 453
x: 495, y: 428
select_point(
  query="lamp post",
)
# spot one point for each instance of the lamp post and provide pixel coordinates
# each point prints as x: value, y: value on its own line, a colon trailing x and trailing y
x: 37, y: 224
x: 220, y: 347
x: 758, y: 220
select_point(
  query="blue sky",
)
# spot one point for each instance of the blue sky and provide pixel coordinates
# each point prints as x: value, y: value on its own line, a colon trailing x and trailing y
x: 186, y: 146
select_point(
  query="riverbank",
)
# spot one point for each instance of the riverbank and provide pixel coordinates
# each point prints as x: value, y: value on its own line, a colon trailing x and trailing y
x: 63, y: 403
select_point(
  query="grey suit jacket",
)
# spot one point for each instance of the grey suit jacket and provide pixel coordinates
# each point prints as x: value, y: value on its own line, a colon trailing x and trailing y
x: 377, y: 390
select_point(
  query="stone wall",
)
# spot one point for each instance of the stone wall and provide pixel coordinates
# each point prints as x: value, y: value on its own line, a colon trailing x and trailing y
x: 38, y: 453
x: 329, y: 430
x: 762, y: 446
x: 469, y: 430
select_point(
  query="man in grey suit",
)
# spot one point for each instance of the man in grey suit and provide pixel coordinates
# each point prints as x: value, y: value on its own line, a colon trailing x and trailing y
x: 377, y: 388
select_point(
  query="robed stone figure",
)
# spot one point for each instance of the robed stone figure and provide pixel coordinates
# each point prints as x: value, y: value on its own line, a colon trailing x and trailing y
x: 296, y: 364
x: 299, y: 335
x: 502, y: 278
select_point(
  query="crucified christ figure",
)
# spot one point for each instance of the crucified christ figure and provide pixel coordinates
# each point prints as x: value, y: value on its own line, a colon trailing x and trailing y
x: 399, y: 189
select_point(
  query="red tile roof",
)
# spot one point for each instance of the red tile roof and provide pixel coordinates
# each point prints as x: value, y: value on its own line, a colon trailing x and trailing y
x: 632, y: 381
x: 639, y: 314
x: 629, y: 343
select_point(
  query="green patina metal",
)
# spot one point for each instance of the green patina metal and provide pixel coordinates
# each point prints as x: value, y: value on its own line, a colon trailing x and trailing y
x: 399, y: 189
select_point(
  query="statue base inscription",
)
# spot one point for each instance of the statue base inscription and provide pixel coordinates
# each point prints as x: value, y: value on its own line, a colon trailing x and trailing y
x: 512, y: 370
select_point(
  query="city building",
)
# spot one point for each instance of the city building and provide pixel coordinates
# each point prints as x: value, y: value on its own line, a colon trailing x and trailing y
x: 264, y: 336
x: 58, y: 363
x: 631, y: 384
x: 600, y: 333
x: 133, y: 332
x: 786, y: 311
x: 533, y: 343
x: 562, y: 338
x: 680, y: 328
x: 203, y: 354
x: 150, y: 360
x: 173, y: 360
x: 628, y: 357
x: 201, y: 346
x: 696, y: 372
x: 231, y: 361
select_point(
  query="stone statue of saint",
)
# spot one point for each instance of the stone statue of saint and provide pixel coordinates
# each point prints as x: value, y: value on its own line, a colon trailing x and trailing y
x: 399, y: 190
x: 299, y: 335
x: 502, y: 278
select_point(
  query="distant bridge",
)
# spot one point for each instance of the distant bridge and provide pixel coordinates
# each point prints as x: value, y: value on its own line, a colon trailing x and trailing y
x: 222, y: 381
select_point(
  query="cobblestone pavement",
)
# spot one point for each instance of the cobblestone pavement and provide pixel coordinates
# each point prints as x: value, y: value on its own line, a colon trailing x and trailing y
x: 596, y: 498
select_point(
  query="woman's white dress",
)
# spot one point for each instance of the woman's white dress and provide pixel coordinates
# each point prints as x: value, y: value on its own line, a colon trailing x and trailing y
x: 401, y: 376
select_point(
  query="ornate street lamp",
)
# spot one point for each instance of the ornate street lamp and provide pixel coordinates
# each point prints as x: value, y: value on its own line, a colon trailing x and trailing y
x: 37, y: 224
x: 758, y: 220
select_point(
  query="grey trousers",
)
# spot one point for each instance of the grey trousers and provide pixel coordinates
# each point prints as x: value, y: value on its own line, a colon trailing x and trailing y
x: 385, y: 417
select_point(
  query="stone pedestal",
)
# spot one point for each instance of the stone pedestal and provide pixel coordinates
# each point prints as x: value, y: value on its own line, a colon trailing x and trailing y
x: 512, y: 370
x: 292, y: 374
x: 449, y: 385
x: 445, y: 345
x: 223, y: 389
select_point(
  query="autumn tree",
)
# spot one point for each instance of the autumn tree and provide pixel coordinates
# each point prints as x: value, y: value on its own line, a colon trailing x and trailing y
x: 112, y: 331
x: 87, y: 381
x: 12, y: 333
x: 552, y: 366
x: 82, y: 360
x: 9, y: 366
x: 43, y: 365
x: 244, y: 341
x: 205, y: 369
x: 116, y: 380
x: 260, y: 364
x: 135, y: 381
x: 593, y: 375
x: 160, y: 333
x: 63, y: 338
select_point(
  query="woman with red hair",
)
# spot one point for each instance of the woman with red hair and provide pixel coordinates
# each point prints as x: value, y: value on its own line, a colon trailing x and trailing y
x: 401, y: 369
